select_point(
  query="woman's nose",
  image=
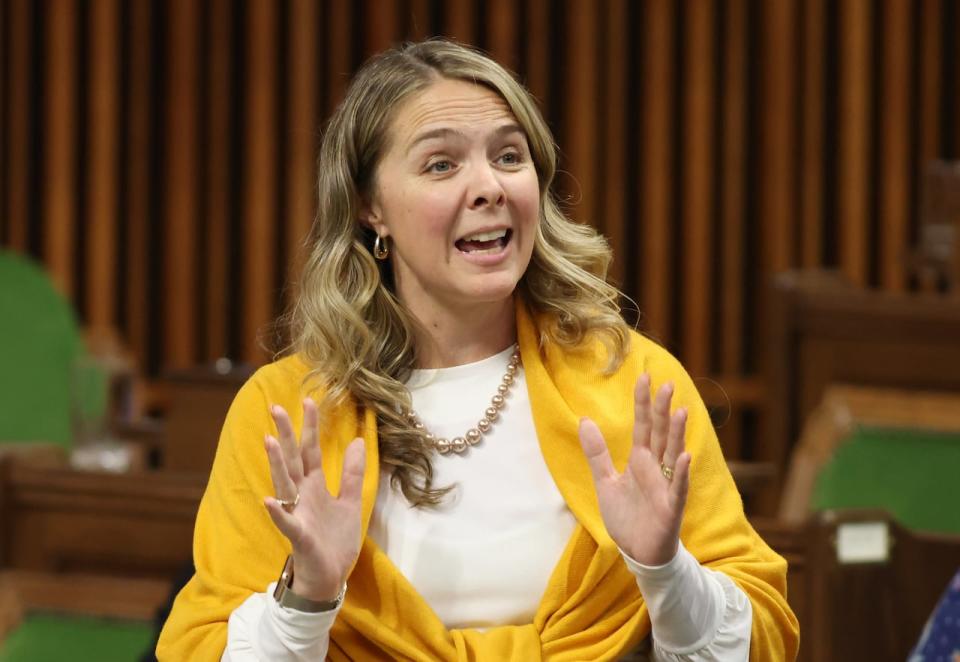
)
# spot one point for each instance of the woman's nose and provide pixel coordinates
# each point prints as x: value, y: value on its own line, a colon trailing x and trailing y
x: 485, y: 188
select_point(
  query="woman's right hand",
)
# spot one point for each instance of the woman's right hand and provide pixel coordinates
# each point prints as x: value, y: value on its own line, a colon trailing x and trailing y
x: 324, y: 530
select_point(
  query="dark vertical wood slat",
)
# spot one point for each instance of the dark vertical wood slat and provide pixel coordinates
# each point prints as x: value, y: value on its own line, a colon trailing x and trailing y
x: 854, y: 138
x: 180, y: 178
x: 614, y: 128
x: 931, y: 15
x: 338, y: 53
x: 302, y: 122
x: 60, y: 144
x: 777, y: 109
x: 579, y: 134
x: 136, y: 203
x: 732, y: 205
x: 538, y: 51
x: 894, y: 184
x: 698, y: 195
x: 656, y: 164
x: 260, y: 183
x: 419, y: 20
x: 4, y: 113
x: 217, y: 168
x: 101, y: 201
x: 460, y: 20
x: 811, y: 147
x: 501, y: 17
x: 954, y: 55
x: 17, y: 211
x: 381, y: 27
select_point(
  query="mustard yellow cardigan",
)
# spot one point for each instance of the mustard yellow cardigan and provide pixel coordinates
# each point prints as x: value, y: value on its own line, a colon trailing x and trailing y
x: 591, y: 608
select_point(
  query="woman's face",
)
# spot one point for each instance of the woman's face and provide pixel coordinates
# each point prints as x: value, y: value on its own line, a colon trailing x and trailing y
x: 457, y: 195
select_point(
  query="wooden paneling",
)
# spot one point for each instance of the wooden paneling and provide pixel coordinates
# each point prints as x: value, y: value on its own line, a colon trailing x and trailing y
x: 259, y: 193
x: 102, y: 179
x: 656, y: 165
x: 59, y: 208
x: 180, y: 221
x: 218, y: 118
x: 159, y: 157
x: 854, y: 139
x: 20, y: 70
x: 894, y: 186
x: 697, y: 202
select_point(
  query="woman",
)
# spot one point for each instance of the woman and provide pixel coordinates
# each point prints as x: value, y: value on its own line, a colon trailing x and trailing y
x: 468, y: 527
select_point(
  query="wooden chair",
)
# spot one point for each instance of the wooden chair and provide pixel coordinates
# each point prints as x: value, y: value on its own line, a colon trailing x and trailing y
x: 895, y: 420
x: 822, y: 332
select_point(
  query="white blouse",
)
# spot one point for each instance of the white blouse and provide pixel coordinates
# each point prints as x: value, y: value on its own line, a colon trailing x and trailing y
x: 484, y: 557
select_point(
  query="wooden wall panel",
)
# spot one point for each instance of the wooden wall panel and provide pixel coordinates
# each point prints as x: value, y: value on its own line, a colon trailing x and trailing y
x: 259, y: 194
x: 854, y: 138
x: 893, y: 207
x: 20, y: 72
x: 159, y: 157
x: 102, y: 179
x: 59, y: 192
x: 697, y: 202
x: 810, y: 206
x: 656, y: 165
x: 180, y: 154
x: 579, y: 112
x: 301, y: 124
x: 135, y: 173
x: 613, y: 117
x: 217, y: 209
x: 777, y: 147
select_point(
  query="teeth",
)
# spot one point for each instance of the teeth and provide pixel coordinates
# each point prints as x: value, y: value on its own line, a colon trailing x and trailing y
x: 486, y: 236
x: 485, y: 251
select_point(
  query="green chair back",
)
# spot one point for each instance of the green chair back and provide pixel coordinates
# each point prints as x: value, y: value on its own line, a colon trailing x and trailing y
x: 913, y: 474
x: 39, y: 345
x: 46, y: 637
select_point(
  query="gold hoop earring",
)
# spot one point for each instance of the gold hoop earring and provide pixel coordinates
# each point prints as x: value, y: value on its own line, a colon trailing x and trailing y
x: 380, y: 250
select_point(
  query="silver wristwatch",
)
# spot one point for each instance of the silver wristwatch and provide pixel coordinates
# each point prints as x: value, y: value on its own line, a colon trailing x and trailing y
x: 285, y: 596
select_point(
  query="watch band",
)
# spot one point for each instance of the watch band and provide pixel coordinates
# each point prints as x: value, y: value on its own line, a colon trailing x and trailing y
x: 285, y: 596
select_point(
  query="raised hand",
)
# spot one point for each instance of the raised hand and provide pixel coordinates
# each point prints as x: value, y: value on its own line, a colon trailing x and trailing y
x: 642, y: 507
x: 324, y: 531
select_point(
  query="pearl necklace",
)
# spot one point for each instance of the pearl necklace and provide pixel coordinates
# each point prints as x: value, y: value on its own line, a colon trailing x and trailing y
x: 472, y: 436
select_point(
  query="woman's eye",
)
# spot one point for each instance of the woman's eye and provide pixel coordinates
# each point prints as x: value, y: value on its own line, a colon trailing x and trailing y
x: 440, y: 166
x: 510, y: 158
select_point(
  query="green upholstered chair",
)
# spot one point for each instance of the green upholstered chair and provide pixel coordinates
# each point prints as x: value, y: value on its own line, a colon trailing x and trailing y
x: 893, y: 450
x: 42, y: 637
x: 40, y: 349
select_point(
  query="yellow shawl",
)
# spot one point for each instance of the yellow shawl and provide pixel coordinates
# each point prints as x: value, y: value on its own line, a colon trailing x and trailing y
x: 591, y: 608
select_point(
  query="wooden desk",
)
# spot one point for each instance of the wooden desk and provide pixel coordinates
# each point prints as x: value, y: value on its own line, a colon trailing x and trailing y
x: 126, y: 525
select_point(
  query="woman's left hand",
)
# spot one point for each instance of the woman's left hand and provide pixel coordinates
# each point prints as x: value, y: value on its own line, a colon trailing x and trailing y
x: 642, y: 507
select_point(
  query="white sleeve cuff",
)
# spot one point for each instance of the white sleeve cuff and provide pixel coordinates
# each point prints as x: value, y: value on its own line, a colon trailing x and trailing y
x: 696, y: 613
x: 260, y: 629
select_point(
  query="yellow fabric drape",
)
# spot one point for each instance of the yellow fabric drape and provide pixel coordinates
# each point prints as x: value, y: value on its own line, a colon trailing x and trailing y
x: 591, y: 608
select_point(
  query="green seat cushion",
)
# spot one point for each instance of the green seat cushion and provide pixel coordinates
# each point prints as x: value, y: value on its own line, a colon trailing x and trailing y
x: 48, y: 637
x: 913, y: 474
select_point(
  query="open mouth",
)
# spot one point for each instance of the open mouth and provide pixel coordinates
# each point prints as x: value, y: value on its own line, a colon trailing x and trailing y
x: 483, y: 243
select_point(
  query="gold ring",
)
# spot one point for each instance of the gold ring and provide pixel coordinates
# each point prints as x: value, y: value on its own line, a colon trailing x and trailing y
x: 289, y: 504
x: 666, y: 471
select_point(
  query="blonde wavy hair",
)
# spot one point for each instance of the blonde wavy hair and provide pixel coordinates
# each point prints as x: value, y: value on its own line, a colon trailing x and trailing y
x: 347, y: 322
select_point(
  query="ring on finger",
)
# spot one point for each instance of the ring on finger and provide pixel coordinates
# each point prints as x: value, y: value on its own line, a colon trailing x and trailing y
x: 666, y: 471
x: 290, y: 504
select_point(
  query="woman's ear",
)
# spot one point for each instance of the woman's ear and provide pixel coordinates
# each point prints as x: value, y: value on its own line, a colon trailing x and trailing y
x: 370, y: 217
